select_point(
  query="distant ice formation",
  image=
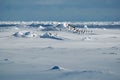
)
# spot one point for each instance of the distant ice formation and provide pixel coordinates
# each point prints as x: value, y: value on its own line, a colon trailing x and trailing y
x: 41, y: 28
x: 85, y: 26
x: 47, y: 28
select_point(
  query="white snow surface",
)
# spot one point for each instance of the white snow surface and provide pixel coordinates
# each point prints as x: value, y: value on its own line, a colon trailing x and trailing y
x: 33, y: 54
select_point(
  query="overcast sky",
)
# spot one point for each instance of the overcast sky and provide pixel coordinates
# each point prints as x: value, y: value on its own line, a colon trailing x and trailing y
x: 59, y: 10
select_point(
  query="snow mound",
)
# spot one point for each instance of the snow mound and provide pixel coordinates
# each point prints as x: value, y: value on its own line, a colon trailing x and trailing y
x: 57, y: 68
x: 5, y: 61
x: 25, y: 34
x: 51, y: 36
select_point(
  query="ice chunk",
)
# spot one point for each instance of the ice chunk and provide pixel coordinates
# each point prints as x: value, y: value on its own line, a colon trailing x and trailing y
x: 41, y: 27
x: 18, y: 34
x: 26, y: 34
x: 85, y: 27
x: 29, y: 34
x: 51, y: 36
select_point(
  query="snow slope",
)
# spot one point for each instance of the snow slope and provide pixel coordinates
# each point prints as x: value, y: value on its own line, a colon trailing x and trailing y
x: 25, y: 55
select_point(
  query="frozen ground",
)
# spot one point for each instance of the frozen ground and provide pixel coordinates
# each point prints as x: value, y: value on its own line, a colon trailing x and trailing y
x: 57, y: 53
